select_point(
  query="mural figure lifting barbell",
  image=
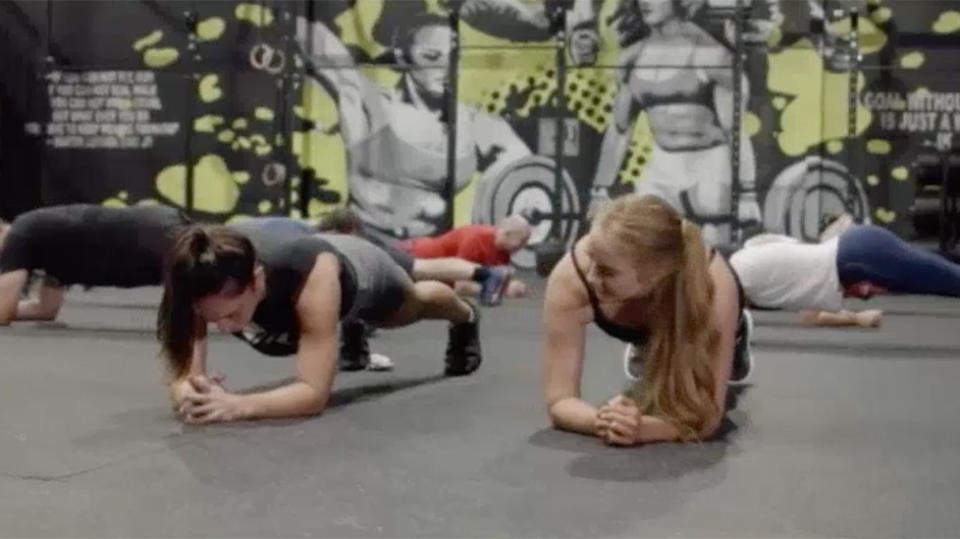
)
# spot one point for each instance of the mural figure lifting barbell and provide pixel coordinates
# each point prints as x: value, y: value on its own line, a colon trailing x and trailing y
x: 396, y: 137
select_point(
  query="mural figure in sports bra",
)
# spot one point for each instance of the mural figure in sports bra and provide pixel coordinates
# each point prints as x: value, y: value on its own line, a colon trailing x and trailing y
x: 396, y: 138
x: 690, y: 111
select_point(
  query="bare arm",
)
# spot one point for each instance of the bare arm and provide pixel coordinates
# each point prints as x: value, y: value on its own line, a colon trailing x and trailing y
x: 318, y: 312
x: 564, y: 339
x: 495, y: 138
x: 616, y: 139
x: 43, y: 305
x: 11, y: 283
x: 328, y: 59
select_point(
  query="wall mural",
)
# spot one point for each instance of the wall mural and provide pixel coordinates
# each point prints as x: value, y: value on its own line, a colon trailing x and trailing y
x: 293, y: 107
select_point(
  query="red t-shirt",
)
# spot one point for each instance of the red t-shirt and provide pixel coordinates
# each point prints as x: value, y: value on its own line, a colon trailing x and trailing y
x: 470, y: 242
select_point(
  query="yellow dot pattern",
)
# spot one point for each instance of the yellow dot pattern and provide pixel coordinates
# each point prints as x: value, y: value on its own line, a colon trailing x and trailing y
x: 157, y: 58
x: 878, y: 146
x: 148, y: 40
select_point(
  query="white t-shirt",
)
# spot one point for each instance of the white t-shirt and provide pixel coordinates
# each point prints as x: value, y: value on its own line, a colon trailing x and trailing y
x: 780, y: 272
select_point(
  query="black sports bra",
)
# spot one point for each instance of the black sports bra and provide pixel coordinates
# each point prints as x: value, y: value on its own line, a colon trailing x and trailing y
x: 636, y: 336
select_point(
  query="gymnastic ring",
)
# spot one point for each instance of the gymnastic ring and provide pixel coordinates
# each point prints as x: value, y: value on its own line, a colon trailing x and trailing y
x: 273, y: 174
x: 835, y: 189
x: 264, y: 57
x: 526, y: 185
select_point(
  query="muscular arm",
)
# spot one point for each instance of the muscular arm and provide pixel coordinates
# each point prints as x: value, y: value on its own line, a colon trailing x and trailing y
x: 11, y: 283
x: 44, y: 304
x: 495, y: 138
x: 616, y: 139
x: 564, y: 337
x: 328, y: 59
x: 318, y: 312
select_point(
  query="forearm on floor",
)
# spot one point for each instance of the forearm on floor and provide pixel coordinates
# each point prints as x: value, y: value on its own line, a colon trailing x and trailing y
x: 574, y: 414
x: 293, y: 400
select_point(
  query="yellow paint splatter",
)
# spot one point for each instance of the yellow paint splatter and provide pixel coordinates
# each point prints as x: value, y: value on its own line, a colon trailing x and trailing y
x: 296, y: 213
x: 295, y: 182
x: 881, y: 15
x: 317, y: 105
x: 114, y: 203
x: 214, y: 190
x: 294, y: 197
x: 878, y: 146
x: 209, y: 91
x: 325, y: 154
x: 835, y: 146
x: 243, y: 142
x: 210, y: 29
x: 779, y: 102
x: 947, y: 23
x: 751, y: 124
x: 912, y: 60
x: 254, y: 14
x: 207, y: 123
x: 314, y: 208
x: 900, y: 173
x: 871, y: 38
x: 775, y: 36
x: 263, y: 113
x: 807, y: 119
x: 463, y: 202
x: 356, y: 26
x: 239, y: 123
x: 148, y: 40
x: 262, y: 149
x: 257, y: 139
x: 226, y: 135
x: 873, y: 180
x: 885, y: 216
x: 265, y: 206
x: 149, y: 202
x: 241, y: 177
x: 278, y: 140
x: 157, y: 58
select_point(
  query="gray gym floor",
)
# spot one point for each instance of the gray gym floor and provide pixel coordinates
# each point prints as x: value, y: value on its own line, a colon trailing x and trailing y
x: 848, y: 433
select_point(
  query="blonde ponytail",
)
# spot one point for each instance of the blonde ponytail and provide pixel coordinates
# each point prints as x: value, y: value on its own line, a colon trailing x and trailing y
x: 679, y: 384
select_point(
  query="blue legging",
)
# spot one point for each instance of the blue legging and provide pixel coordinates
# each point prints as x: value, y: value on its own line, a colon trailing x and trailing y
x: 871, y: 253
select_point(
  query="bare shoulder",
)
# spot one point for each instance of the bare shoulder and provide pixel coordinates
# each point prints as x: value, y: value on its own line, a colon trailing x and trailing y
x: 710, y: 51
x: 565, y: 291
x: 320, y: 295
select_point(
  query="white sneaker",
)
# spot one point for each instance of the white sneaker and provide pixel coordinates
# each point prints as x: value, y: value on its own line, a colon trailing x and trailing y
x: 379, y: 362
x: 632, y: 363
x: 742, y: 367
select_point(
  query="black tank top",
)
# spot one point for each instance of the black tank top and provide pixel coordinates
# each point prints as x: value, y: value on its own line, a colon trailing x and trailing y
x: 275, y: 329
x: 93, y: 245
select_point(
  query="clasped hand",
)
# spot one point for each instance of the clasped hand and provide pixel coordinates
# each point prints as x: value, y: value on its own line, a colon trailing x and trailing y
x: 618, y: 422
x: 200, y: 399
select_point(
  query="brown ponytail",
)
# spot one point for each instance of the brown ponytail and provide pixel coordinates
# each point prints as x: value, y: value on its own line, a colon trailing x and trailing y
x: 202, y: 261
x: 678, y: 382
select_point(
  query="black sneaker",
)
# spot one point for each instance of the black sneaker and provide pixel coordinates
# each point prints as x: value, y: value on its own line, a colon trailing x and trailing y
x: 354, y: 349
x: 742, y: 355
x: 463, y: 347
